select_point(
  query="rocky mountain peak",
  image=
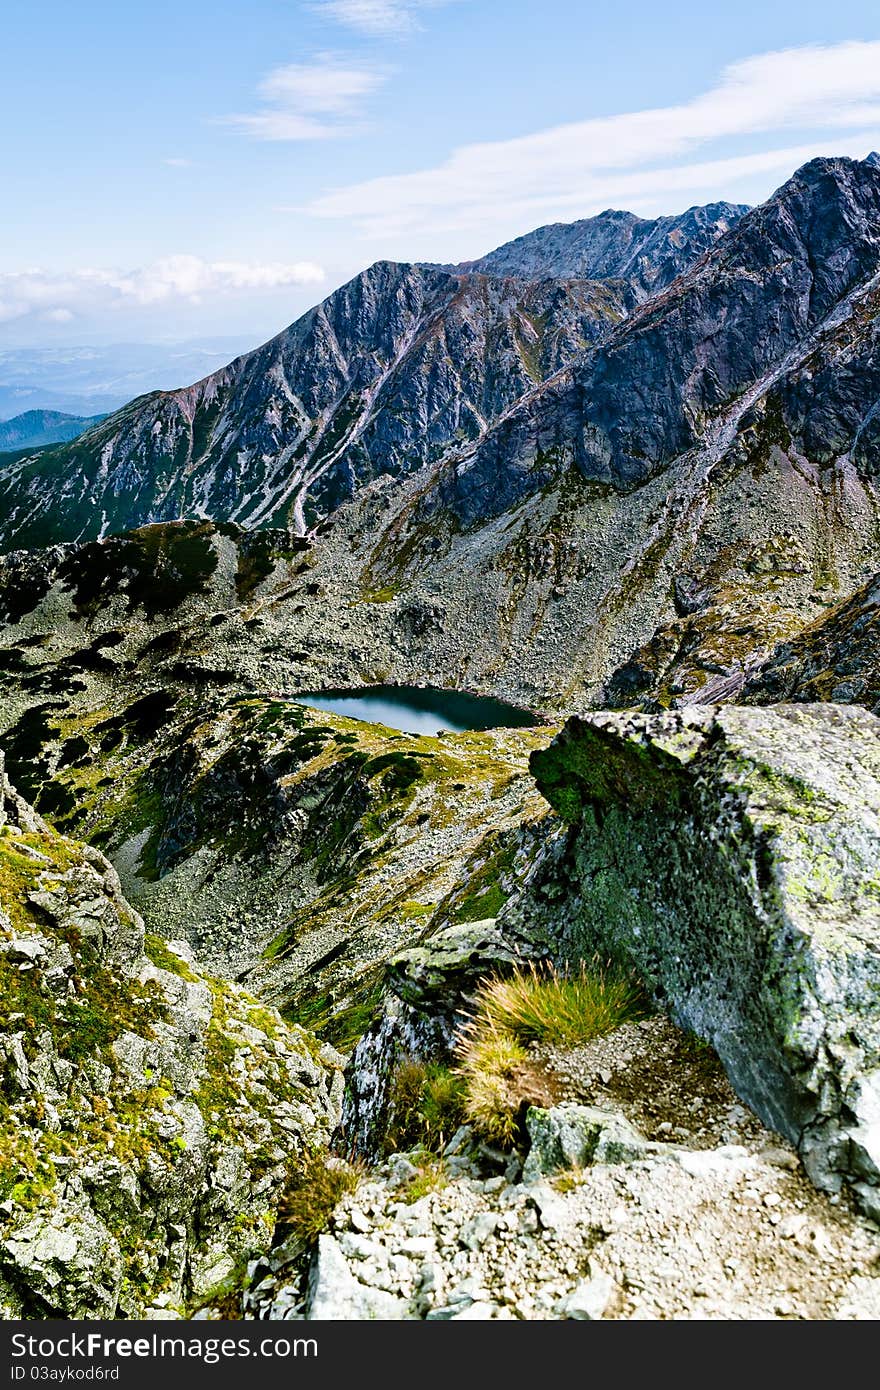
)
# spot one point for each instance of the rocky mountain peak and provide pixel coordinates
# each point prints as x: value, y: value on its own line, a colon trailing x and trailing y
x: 649, y: 254
x: 741, y: 319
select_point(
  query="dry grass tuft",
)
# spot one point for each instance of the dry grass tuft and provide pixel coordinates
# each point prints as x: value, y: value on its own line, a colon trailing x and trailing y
x: 315, y: 1192
x: 532, y: 1006
x: 543, y: 1006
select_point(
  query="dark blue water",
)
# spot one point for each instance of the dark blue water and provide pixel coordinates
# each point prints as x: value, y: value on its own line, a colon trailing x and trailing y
x: 415, y: 710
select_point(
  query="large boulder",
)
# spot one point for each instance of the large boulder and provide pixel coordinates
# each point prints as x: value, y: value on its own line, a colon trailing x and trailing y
x: 150, y: 1116
x: 731, y: 856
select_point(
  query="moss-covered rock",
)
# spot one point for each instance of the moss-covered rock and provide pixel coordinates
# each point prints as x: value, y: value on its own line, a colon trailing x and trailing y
x: 731, y: 855
x: 150, y: 1115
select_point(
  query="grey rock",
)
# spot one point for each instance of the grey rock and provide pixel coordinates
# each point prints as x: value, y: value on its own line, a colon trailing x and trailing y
x: 478, y: 1230
x: 69, y: 1259
x: 553, y: 1213
x: 335, y: 1293
x: 438, y: 971
x: 476, y: 1312
x: 572, y: 1136
x: 590, y: 1299
x: 732, y: 858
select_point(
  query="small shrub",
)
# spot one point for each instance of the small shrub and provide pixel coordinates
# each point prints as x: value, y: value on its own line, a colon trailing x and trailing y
x: 315, y: 1192
x: 426, y: 1107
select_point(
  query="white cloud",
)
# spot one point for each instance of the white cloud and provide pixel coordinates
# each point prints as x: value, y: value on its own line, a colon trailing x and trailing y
x: 319, y: 100
x: 377, y: 17
x: 582, y: 166
x: 58, y: 297
x: 178, y: 162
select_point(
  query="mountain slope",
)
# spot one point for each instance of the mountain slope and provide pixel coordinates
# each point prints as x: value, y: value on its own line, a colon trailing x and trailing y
x: 642, y: 527
x: 835, y: 658
x: 383, y: 376
x: 395, y: 370
x: 690, y: 492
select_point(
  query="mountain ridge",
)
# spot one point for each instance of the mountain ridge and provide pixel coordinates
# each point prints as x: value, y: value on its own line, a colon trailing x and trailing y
x: 647, y: 252
x: 401, y: 364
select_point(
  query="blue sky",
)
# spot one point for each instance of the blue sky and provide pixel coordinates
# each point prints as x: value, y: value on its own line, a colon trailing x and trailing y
x: 176, y: 169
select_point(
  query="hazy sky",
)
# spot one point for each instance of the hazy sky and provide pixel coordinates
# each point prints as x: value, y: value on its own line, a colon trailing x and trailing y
x: 176, y: 168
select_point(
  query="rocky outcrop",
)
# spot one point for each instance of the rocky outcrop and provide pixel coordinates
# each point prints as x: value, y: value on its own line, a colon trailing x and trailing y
x: 427, y: 990
x: 151, y: 1116
x: 730, y: 855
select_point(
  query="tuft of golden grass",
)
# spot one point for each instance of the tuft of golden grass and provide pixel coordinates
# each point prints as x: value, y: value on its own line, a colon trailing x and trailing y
x: 491, y: 1064
x: 544, y: 1006
x: 532, y: 1006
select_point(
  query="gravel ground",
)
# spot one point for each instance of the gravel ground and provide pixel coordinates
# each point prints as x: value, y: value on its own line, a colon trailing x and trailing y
x: 714, y: 1220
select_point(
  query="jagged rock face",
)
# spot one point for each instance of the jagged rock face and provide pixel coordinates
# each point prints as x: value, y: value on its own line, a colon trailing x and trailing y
x: 384, y: 376
x: 150, y: 1115
x: 730, y: 855
x: 682, y: 372
x: 394, y: 371
x: 836, y: 658
x: 648, y: 254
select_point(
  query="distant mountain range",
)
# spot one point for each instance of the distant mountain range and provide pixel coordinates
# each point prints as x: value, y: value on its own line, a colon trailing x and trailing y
x: 37, y: 428
x: 93, y: 380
